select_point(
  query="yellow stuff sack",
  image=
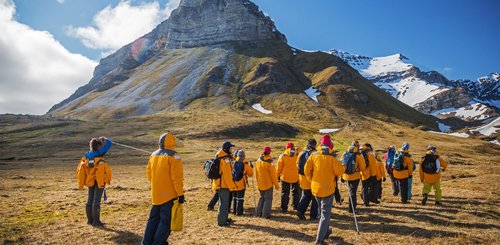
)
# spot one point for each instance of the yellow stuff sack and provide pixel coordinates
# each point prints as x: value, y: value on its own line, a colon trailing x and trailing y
x: 177, y: 217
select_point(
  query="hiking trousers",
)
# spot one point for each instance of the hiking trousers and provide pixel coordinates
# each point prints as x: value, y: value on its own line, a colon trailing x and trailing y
x: 325, y: 204
x: 338, y: 197
x: 223, y: 212
x: 437, y: 189
x: 238, y: 199
x: 265, y: 203
x: 307, y: 197
x: 395, y: 185
x: 403, y: 186
x: 93, y: 205
x: 367, y: 190
x: 378, y: 189
x: 285, y: 195
x: 214, y: 200
x: 158, y: 225
x: 410, y: 184
x: 353, y: 188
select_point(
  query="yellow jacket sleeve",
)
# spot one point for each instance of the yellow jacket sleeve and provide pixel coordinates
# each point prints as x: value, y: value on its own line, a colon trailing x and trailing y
x: 444, y: 164
x: 148, y: 171
x: 177, y: 175
x: 274, y: 177
x: 308, y: 168
x: 280, y: 166
x: 360, y: 162
x: 409, y: 163
x: 107, y: 174
x: 248, y: 170
x: 338, y: 168
x: 81, y: 174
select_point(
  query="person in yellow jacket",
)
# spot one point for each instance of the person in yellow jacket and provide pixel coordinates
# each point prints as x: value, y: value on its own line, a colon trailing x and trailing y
x: 305, y: 184
x: 369, y: 175
x: 321, y: 169
x: 431, y: 167
x: 95, y: 173
x: 289, y: 176
x: 239, y: 193
x: 403, y: 169
x: 166, y: 178
x: 379, y: 156
x: 354, y: 163
x: 225, y: 184
x: 266, y: 179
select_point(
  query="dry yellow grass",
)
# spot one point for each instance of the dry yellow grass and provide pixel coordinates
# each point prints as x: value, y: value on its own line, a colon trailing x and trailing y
x: 41, y: 205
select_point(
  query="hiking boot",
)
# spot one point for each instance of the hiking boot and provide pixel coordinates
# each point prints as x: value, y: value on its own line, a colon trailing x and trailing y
x: 328, y: 233
x: 376, y: 201
x: 96, y: 214
x: 229, y: 220
x: 283, y: 210
x: 438, y: 203
x: 301, y: 215
x: 424, y: 199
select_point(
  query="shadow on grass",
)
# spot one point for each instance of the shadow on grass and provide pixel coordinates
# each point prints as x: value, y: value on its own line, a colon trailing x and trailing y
x: 123, y: 237
x: 340, y: 240
x: 279, y: 232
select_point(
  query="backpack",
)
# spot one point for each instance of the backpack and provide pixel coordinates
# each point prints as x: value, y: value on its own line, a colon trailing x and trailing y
x: 429, y: 164
x: 302, y: 161
x: 390, y: 157
x: 365, y: 156
x: 398, y: 161
x: 348, y: 160
x: 212, y: 168
x: 238, y: 171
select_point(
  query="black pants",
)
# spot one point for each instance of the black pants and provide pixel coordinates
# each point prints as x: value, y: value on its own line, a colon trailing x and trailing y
x: 214, y: 200
x: 307, y: 197
x: 395, y: 185
x: 285, y: 195
x: 338, y: 197
x: 94, y: 196
x: 158, y: 225
x: 378, y: 189
x: 238, y: 199
x: 403, y: 185
x: 353, y: 188
x: 368, y: 190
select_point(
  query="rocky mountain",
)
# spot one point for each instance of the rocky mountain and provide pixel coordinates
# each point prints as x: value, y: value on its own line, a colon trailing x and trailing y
x: 226, y: 55
x: 429, y: 91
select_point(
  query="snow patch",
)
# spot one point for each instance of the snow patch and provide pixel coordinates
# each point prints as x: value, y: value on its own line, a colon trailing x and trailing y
x: 495, y: 142
x: 489, y: 128
x: 261, y: 109
x: 473, y: 111
x: 329, y: 130
x: 385, y: 65
x: 412, y: 91
x: 461, y: 135
x: 313, y: 93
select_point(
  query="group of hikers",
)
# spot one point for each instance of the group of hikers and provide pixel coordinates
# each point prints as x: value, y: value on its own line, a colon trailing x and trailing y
x: 311, y: 175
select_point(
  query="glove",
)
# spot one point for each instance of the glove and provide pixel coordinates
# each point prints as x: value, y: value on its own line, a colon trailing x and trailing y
x: 181, y: 199
x: 383, y: 179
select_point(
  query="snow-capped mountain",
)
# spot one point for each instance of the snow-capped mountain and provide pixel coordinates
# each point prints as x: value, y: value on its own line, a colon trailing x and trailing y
x: 429, y: 91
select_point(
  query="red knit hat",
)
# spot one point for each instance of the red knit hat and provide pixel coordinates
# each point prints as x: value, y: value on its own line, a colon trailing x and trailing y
x: 326, y: 140
x: 289, y: 145
x: 267, y: 150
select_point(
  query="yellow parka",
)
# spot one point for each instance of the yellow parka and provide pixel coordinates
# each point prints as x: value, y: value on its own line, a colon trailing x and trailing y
x: 321, y: 169
x: 287, y: 166
x: 247, y: 172
x: 360, y: 166
x: 266, y: 173
x: 432, y: 178
x: 407, y: 165
x: 100, y: 172
x: 165, y: 172
x: 372, y: 168
x: 226, y: 171
x: 381, y: 166
x: 305, y: 184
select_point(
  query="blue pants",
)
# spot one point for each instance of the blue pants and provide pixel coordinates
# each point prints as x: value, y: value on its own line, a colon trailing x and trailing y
x: 410, y: 182
x: 158, y: 226
x: 307, y: 198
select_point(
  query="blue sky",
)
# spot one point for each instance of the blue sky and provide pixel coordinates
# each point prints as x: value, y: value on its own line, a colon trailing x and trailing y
x: 459, y: 38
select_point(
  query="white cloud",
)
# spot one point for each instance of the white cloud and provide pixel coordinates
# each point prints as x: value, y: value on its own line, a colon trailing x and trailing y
x: 114, y: 27
x: 60, y: 1
x: 36, y: 71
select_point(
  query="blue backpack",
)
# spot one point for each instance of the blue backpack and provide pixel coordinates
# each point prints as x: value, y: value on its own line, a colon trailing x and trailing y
x: 238, y: 171
x: 390, y: 157
x: 398, y: 162
x: 348, y: 160
x: 302, y: 161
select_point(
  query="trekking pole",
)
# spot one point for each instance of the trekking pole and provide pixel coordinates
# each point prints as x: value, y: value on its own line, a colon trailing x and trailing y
x: 131, y: 147
x: 352, y: 206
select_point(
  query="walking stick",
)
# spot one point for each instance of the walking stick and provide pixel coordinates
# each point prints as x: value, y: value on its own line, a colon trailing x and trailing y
x: 131, y: 147
x: 352, y: 206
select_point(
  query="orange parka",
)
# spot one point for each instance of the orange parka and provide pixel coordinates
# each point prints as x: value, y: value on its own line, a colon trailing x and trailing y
x: 225, y: 169
x: 266, y: 173
x: 432, y: 178
x: 371, y: 169
x: 287, y: 166
x: 165, y: 172
x: 321, y: 169
x: 407, y: 167
x: 360, y: 166
x: 90, y: 171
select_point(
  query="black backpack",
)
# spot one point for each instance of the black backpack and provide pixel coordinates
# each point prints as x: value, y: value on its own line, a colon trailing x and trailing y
x: 398, y: 162
x: 365, y: 156
x: 302, y: 161
x: 429, y: 164
x: 238, y: 171
x: 212, y: 168
x: 349, y: 162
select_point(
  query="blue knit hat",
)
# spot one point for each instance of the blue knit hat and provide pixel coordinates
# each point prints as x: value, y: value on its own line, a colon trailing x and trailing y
x: 406, y: 146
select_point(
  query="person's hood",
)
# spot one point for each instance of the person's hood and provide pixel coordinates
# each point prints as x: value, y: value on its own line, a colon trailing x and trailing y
x: 353, y: 149
x: 167, y: 141
x: 221, y: 153
x: 325, y: 149
x: 405, y: 150
x: 288, y: 152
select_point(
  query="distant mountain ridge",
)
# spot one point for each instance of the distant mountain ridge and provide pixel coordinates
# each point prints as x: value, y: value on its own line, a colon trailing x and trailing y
x: 429, y: 91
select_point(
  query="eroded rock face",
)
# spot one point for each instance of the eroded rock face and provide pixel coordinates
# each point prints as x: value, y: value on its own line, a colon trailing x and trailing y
x: 457, y: 97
